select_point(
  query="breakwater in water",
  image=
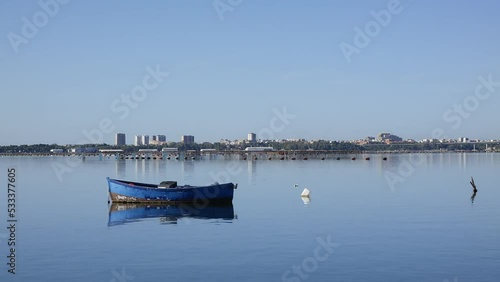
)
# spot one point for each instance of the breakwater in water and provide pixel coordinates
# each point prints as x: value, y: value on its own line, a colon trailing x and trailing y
x: 241, y: 155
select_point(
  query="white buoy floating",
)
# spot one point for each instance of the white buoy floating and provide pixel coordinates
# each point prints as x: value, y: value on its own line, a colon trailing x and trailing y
x: 305, y: 193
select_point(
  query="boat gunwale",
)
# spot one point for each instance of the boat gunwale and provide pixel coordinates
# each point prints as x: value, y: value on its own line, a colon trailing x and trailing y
x: 146, y: 186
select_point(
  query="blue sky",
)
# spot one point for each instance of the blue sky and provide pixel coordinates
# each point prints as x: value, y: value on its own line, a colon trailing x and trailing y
x: 227, y: 75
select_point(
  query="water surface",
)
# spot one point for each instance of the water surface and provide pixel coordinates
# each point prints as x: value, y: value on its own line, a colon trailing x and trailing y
x: 423, y: 227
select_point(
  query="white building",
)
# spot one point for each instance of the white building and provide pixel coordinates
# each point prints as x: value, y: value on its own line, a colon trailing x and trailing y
x: 252, y: 137
x: 138, y: 140
x: 208, y: 150
x: 80, y: 150
x: 169, y: 150
x: 259, y: 149
x: 148, y: 150
x: 145, y: 139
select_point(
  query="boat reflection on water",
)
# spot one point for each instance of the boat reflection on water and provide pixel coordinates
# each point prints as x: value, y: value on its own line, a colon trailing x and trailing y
x: 168, y: 214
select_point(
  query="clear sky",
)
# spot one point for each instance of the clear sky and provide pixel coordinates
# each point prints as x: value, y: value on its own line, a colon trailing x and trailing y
x: 229, y: 70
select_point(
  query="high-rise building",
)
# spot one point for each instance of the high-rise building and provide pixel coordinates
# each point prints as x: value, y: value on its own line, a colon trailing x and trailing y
x: 187, y: 139
x: 145, y: 139
x: 138, y: 140
x: 158, y: 140
x: 252, y: 138
x: 120, y: 139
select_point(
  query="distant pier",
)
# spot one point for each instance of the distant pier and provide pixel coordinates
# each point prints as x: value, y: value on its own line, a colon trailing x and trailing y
x: 234, y: 154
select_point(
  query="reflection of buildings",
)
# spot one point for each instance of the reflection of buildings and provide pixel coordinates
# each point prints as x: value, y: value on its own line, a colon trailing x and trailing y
x: 252, y: 170
x: 121, y: 168
x: 187, y: 170
x: 142, y: 167
x: 462, y: 160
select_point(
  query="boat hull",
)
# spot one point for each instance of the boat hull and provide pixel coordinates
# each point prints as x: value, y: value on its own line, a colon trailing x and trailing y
x: 133, y: 192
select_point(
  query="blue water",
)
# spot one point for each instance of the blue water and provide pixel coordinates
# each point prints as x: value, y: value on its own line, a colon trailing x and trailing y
x: 356, y: 227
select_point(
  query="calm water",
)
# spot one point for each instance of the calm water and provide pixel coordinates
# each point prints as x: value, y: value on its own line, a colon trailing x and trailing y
x: 356, y: 227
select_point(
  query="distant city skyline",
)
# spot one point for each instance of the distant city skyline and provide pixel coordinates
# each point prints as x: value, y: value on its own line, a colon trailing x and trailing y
x: 160, y: 139
x: 175, y: 67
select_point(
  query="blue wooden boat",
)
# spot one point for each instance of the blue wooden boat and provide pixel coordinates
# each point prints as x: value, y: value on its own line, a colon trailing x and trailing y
x: 120, y: 213
x: 121, y: 191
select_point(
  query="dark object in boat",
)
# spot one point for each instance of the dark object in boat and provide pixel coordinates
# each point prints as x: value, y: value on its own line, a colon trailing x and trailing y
x: 168, y: 184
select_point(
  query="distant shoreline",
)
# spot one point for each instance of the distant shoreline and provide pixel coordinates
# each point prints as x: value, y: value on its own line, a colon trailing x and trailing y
x: 287, y: 154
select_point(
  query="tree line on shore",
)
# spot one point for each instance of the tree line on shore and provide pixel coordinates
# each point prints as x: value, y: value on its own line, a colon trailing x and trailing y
x: 288, y: 145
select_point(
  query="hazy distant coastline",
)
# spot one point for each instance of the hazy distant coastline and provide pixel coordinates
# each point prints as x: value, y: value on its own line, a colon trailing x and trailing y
x: 291, y: 147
